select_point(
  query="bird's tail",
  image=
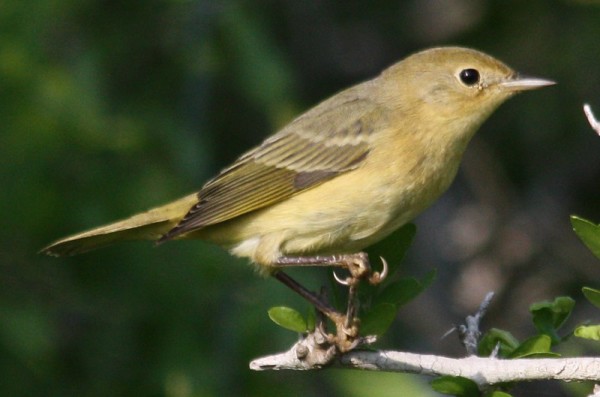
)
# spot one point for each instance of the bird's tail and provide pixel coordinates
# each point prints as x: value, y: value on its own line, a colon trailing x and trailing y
x: 149, y: 225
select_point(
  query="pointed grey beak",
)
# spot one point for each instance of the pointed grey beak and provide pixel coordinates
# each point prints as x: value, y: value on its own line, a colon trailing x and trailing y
x: 522, y: 83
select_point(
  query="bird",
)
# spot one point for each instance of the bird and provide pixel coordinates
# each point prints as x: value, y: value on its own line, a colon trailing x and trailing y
x: 339, y: 177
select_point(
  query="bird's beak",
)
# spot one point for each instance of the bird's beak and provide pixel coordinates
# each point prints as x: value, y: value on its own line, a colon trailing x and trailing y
x: 522, y: 83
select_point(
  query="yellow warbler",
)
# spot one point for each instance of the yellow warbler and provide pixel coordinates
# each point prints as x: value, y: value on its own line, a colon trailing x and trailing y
x: 341, y: 176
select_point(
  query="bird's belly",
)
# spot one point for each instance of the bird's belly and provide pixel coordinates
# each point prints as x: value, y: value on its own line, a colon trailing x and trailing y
x: 343, y: 221
x: 294, y: 230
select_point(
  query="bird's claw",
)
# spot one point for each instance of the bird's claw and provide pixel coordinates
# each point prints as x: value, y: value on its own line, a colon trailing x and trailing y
x: 378, y: 277
x: 345, y: 282
x: 362, y: 269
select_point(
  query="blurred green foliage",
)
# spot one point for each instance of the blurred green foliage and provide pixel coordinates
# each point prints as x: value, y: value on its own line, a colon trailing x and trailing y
x: 108, y: 108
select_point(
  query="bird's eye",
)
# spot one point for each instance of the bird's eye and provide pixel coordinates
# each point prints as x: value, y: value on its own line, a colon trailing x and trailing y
x: 469, y: 77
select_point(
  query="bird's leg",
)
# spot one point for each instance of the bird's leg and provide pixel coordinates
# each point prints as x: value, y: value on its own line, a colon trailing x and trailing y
x: 318, y: 303
x: 359, y: 267
x: 351, y: 306
x: 352, y: 284
x: 346, y: 337
x: 357, y: 264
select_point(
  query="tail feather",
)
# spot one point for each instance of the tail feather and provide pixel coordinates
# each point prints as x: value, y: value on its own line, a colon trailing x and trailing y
x: 150, y: 225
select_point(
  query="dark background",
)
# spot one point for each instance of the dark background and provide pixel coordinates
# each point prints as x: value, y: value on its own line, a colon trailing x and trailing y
x: 108, y: 108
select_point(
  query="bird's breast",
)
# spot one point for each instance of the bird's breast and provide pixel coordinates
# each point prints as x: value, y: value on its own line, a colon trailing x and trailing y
x: 346, y: 213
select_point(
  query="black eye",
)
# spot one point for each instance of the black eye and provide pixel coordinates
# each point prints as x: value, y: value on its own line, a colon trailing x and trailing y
x: 469, y: 76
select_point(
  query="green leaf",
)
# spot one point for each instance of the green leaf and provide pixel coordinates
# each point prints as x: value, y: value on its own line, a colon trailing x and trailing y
x: 394, y: 247
x: 404, y: 290
x: 311, y: 319
x: 592, y: 295
x: 455, y: 386
x: 403, y: 238
x: 588, y: 232
x: 588, y: 332
x: 548, y: 317
x: 497, y: 393
x: 429, y: 278
x: 400, y: 292
x: 378, y: 320
x: 490, y: 340
x: 536, y: 345
x: 288, y: 318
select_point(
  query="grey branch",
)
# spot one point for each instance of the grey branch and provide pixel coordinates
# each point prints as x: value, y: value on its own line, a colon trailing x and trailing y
x: 313, y: 352
x: 591, y: 119
x: 469, y: 332
x: 483, y: 371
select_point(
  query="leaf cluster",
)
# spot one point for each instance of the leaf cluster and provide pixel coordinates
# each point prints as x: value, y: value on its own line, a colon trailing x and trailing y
x: 548, y: 318
x: 378, y: 304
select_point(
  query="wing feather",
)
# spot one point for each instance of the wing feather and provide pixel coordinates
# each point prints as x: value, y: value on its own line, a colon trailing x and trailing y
x: 317, y: 146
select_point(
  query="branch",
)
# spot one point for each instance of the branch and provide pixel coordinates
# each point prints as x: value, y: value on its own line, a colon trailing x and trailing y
x: 314, y: 351
x: 483, y: 371
x: 469, y: 332
x: 591, y: 119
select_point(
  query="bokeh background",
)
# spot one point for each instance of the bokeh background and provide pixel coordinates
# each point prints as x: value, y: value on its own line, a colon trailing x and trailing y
x: 112, y: 107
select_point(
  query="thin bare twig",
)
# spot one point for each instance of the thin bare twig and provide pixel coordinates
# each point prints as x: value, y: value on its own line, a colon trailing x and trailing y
x: 591, y: 119
x: 469, y: 332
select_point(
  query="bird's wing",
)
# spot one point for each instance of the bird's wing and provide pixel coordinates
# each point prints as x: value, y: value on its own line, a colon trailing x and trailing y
x: 323, y: 143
